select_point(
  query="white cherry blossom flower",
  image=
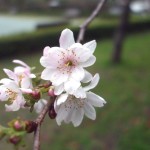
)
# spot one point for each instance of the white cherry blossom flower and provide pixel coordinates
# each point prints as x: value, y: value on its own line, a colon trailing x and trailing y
x: 64, y: 65
x: 21, y: 74
x: 70, y: 108
x: 9, y: 91
x: 38, y: 107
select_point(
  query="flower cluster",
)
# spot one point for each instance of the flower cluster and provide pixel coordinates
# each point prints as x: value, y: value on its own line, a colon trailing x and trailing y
x: 65, y: 75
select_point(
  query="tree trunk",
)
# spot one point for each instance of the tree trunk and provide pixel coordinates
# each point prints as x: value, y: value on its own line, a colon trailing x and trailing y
x: 121, y: 31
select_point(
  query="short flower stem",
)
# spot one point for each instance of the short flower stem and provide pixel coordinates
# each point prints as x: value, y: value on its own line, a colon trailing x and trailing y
x: 39, y: 121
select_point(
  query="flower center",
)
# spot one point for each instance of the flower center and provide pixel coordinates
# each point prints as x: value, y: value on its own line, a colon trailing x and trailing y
x: 69, y: 63
x: 12, y: 95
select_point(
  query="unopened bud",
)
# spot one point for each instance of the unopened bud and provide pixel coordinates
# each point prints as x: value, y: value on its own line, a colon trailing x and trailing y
x: 51, y: 91
x: 36, y: 94
x: 52, y: 114
x: 18, y: 125
x: 15, y: 140
x: 30, y: 126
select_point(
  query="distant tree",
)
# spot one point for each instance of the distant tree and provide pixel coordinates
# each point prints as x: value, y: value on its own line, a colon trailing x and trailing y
x: 121, y: 31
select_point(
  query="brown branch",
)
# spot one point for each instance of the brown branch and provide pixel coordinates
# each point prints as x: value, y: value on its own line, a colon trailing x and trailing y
x: 84, y: 26
x: 39, y: 121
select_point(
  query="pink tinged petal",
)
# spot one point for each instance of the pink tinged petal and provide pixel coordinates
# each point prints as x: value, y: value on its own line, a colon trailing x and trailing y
x: 21, y: 63
x: 87, y: 78
x: 89, y: 111
x: 3, y: 95
x: 71, y: 86
x: 46, y: 50
x: 59, y: 89
x: 26, y: 83
x: 66, y: 39
x: 68, y: 118
x: 78, y: 73
x: 89, y: 62
x: 91, y: 45
x: 77, y: 117
x: 53, y: 60
x: 5, y: 81
x: 82, y: 53
x: 95, y: 100
x: 93, y: 83
x: 62, y: 98
x: 10, y: 74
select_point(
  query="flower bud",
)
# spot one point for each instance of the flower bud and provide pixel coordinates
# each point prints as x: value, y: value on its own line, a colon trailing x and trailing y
x: 51, y: 91
x: 30, y: 126
x: 36, y: 94
x: 52, y: 114
x: 18, y: 125
x: 15, y: 139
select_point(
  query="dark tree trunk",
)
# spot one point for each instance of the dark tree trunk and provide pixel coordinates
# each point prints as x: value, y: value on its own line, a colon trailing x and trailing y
x: 121, y: 31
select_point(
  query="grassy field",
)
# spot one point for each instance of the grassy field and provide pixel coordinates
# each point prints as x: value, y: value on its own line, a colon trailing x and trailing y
x: 124, y: 122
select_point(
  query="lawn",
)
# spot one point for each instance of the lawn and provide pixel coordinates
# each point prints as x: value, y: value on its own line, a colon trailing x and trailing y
x: 124, y: 122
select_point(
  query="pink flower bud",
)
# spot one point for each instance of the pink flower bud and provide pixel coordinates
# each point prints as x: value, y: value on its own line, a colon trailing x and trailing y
x: 15, y: 140
x: 52, y: 114
x: 36, y: 94
x: 51, y: 91
x: 18, y: 125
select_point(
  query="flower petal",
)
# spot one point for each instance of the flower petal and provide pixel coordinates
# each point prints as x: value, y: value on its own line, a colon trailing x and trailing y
x: 13, y: 107
x: 59, y: 89
x: 10, y: 74
x: 89, y: 62
x: 78, y: 73
x: 80, y: 93
x: 21, y: 63
x: 95, y: 100
x: 46, y: 50
x: 91, y: 45
x: 93, y: 83
x: 87, y: 78
x: 89, y: 111
x: 62, y: 98
x: 71, y: 86
x: 40, y: 105
x: 47, y: 73
x: 66, y: 39
x: 77, y: 117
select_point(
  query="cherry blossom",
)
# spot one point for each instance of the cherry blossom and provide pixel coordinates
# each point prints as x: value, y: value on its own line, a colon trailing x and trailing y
x: 10, y: 91
x: 70, y: 108
x: 38, y: 107
x: 21, y: 74
x: 64, y: 65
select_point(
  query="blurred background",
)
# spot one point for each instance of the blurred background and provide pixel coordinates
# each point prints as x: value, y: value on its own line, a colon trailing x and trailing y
x: 122, y: 32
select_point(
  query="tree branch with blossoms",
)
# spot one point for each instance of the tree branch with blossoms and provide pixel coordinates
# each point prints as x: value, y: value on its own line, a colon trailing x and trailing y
x: 59, y: 90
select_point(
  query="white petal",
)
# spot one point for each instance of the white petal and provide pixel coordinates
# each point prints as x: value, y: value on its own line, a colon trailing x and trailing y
x: 59, y: 89
x: 78, y: 73
x: 62, y: 98
x: 66, y: 39
x: 80, y: 93
x: 61, y: 114
x: 46, y: 50
x: 10, y: 74
x: 40, y: 105
x: 26, y: 83
x: 77, y: 117
x: 71, y: 86
x: 89, y: 62
x: 3, y: 95
x: 13, y: 107
x: 95, y: 100
x: 89, y: 111
x: 91, y: 45
x: 93, y: 83
x: 21, y: 63
x: 87, y: 78
x: 47, y: 73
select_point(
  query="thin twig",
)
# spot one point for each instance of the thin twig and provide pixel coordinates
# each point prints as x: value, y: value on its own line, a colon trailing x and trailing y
x: 39, y: 121
x: 83, y: 27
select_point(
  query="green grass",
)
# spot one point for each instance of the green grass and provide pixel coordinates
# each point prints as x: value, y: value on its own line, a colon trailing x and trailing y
x: 124, y: 122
